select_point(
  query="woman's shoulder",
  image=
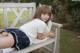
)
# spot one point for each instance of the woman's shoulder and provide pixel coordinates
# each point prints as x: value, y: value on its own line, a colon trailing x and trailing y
x: 36, y: 22
x: 39, y: 21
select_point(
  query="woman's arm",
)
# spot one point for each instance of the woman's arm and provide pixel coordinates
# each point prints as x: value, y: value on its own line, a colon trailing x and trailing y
x: 51, y: 34
x: 42, y: 36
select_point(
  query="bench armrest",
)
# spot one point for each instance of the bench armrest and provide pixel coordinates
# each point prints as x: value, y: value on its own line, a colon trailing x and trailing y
x: 56, y: 25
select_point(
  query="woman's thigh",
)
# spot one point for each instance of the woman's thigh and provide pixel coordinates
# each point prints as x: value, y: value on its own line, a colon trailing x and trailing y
x: 7, y: 41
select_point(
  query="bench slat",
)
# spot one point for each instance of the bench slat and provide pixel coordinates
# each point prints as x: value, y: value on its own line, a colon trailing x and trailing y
x: 34, y: 46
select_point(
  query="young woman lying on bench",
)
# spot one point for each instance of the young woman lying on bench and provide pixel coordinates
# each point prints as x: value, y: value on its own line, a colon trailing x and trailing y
x: 27, y: 33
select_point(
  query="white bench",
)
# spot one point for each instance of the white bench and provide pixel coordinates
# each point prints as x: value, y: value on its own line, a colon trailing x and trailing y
x: 32, y: 8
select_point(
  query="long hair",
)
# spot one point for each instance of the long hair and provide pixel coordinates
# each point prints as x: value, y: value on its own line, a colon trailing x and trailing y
x: 42, y: 10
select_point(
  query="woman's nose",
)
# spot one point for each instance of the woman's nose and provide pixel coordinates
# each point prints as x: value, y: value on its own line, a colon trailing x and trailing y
x: 46, y: 16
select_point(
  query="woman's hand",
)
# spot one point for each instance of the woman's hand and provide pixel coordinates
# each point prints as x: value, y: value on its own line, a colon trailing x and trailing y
x: 41, y: 36
x: 51, y: 34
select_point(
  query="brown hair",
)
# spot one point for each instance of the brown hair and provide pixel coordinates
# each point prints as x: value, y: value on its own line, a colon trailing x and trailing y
x: 42, y: 10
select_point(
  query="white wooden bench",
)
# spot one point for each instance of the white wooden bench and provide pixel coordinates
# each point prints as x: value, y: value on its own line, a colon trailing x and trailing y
x: 32, y: 8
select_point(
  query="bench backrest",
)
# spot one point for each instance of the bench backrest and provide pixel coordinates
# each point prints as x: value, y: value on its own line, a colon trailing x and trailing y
x: 13, y: 6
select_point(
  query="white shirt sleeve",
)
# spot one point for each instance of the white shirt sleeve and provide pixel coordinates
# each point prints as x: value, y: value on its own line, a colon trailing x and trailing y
x: 50, y: 25
x: 41, y: 27
x: 32, y: 28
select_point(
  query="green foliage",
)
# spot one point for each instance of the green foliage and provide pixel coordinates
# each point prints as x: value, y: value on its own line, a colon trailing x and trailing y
x: 74, y: 12
x: 49, y: 2
x: 68, y: 13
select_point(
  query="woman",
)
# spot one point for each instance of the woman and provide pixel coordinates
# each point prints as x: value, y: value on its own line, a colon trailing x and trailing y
x: 29, y: 32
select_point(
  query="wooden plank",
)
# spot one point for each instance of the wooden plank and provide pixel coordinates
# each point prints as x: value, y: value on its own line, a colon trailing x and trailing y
x: 5, y: 17
x: 14, y: 5
x: 57, y: 25
x: 56, y: 44
x: 34, y: 46
x: 57, y: 38
x: 18, y: 15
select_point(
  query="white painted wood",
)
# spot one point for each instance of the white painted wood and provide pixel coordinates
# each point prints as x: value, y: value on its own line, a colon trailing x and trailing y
x: 31, y: 6
x: 57, y: 25
x: 34, y: 46
x: 5, y: 17
x: 56, y: 46
x: 14, y: 5
x: 30, y: 13
x: 18, y: 15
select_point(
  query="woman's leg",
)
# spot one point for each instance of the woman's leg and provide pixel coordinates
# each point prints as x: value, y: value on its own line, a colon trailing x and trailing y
x: 3, y: 34
x: 6, y: 41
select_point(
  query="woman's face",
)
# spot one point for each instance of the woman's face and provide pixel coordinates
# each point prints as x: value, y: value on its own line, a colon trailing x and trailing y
x: 45, y: 17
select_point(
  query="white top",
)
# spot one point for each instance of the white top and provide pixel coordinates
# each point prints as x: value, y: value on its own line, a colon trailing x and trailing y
x: 32, y: 28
